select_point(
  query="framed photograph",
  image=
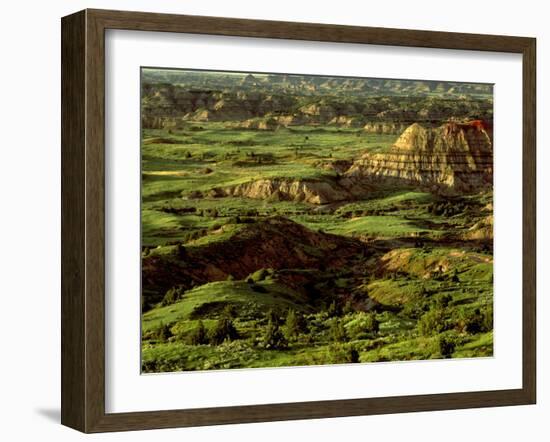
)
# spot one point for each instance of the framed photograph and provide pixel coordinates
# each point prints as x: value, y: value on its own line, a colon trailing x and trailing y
x: 266, y: 221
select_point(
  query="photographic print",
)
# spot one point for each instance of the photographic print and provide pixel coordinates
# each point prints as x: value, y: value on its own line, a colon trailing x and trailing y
x: 294, y: 220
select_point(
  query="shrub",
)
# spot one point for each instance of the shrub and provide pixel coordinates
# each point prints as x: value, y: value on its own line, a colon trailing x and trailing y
x: 337, y: 331
x: 474, y: 322
x: 371, y: 324
x: 290, y: 328
x: 180, y: 251
x: 353, y: 356
x: 260, y: 275
x: 273, y: 338
x: 224, y: 330
x: 341, y: 354
x: 415, y: 310
x: 443, y: 301
x: 447, y: 343
x: 431, y: 322
x: 198, y: 336
x: 271, y: 315
x: 258, y: 288
x: 334, y: 309
x: 164, y: 332
x: 454, y: 277
x: 229, y: 311
x: 173, y: 295
x: 423, y: 292
x: 348, y: 307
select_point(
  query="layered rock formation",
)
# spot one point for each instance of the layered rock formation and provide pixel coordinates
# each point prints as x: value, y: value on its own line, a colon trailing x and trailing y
x: 384, y: 128
x: 276, y: 243
x: 454, y: 157
x: 256, y: 124
x: 281, y: 189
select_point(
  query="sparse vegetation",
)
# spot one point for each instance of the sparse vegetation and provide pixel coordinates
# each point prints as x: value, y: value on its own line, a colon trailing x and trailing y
x: 258, y: 252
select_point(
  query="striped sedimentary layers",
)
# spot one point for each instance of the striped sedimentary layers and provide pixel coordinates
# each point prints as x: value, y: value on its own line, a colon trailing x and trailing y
x: 454, y: 156
x: 384, y: 128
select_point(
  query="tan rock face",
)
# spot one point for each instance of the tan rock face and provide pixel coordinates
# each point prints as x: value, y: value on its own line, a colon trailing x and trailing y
x: 384, y: 128
x: 455, y: 156
x: 280, y: 189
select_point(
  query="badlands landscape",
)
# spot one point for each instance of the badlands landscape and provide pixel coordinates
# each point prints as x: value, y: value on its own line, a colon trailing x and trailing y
x: 292, y: 220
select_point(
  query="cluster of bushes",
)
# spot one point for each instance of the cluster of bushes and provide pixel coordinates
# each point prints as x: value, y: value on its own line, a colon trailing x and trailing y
x: 362, y: 326
x: 342, y: 354
x: 439, y: 319
x: 449, y: 207
x: 173, y: 295
x: 223, y: 330
x: 212, y: 212
x: 178, y: 210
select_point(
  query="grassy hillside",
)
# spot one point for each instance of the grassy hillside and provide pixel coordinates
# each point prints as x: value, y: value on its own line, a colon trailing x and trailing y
x: 256, y: 251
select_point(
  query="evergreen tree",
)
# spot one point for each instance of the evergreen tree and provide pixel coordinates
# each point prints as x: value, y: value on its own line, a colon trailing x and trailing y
x: 338, y: 332
x: 164, y: 332
x: 224, y: 330
x: 372, y: 324
x: 348, y: 307
x: 333, y: 309
x: 198, y: 336
x: 291, y: 327
x: 273, y: 337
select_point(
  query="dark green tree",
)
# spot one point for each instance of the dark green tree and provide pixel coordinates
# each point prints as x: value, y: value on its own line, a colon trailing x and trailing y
x: 348, y: 307
x: 443, y: 301
x: 172, y: 295
x: 229, y: 311
x: 224, y: 330
x: 164, y: 332
x: 447, y: 345
x: 273, y: 338
x: 181, y: 251
x: 334, y: 309
x: 338, y: 332
x: 432, y: 322
x: 454, y: 277
x: 291, y: 328
x: 198, y: 336
x: 353, y: 356
x: 372, y: 325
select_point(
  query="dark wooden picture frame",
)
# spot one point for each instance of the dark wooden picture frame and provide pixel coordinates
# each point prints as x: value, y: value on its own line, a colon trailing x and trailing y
x: 83, y: 220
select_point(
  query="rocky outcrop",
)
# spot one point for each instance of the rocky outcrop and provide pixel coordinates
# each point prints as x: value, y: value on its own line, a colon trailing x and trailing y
x: 345, y: 121
x: 482, y: 230
x: 157, y: 122
x: 287, y: 189
x: 453, y: 157
x: 338, y: 166
x: 319, y: 111
x: 276, y: 243
x: 385, y: 128
x: 257, y: 124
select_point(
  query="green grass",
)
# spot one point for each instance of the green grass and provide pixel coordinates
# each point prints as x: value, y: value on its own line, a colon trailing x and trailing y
x: 395, y: 200
x: 218, y: 294
x: 382, y: 226
x: 401, y: 281
x: 168, y: 170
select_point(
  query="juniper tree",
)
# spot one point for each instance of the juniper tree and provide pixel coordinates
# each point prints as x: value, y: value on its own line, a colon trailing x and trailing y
x: 292, y: 327
x: 224, y: 330
x: 198, y: 336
